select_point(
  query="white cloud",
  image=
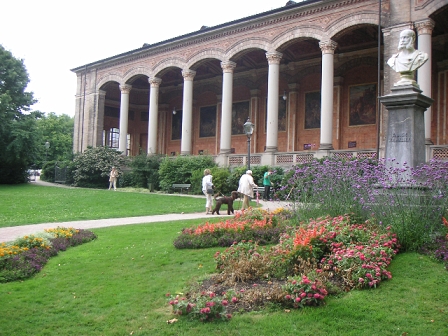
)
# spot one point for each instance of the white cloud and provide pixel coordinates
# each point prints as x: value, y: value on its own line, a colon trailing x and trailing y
x: 53, y: 37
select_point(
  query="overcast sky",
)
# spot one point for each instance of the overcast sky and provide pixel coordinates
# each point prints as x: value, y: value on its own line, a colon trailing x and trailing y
x: 54, y: 36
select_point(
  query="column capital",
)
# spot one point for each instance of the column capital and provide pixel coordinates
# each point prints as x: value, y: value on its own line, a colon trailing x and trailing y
x: 228, y: 66
x: 274, y: 57
x: 328, y: 47
x: 102, y: 93
x: 188, y: 74
x: 155, y: 81
x: 424, y: 27
x: 125, y: 88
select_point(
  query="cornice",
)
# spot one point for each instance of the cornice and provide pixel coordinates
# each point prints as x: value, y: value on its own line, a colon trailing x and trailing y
x: 255, y: 22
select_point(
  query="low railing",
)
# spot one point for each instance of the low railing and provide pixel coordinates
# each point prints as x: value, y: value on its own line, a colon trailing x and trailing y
x: 289, y: 159
x: 439, y: 152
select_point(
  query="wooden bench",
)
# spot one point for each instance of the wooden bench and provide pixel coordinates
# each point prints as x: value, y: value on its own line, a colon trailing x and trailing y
x: 181, y: 186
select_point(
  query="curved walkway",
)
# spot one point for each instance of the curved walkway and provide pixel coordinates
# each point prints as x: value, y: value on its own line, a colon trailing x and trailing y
x: 11, y: 233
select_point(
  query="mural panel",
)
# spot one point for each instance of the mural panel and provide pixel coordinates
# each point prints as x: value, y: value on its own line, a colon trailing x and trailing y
x: 312, y: 110
x: 362, y: 105
x: 207, y: 122
x: 240, y: 113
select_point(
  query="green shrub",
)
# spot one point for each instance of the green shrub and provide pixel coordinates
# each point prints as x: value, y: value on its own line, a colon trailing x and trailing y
x: 180, y: 169
x: 92, y: 167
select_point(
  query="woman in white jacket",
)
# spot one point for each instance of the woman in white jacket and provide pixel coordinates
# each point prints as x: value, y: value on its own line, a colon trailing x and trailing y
x: 207, y: 184
x: 246, y: 187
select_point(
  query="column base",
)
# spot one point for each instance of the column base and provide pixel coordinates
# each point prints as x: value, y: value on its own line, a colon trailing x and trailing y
x: 185, y: 153
x: 224, y: 151
x: 271, y: 149
x: 324, y: 146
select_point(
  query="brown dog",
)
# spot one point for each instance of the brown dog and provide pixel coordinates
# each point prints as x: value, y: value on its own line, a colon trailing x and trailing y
x: 225, y: 200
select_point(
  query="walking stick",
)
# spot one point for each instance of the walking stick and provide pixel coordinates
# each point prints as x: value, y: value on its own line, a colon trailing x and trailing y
x: 289, y: 193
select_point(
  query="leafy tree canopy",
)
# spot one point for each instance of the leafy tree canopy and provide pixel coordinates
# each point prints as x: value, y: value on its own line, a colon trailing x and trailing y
x: 18, y: 133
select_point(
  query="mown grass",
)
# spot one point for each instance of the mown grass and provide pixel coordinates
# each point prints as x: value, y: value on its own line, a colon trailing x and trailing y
x: 32, y: 204
x: 116, y: 285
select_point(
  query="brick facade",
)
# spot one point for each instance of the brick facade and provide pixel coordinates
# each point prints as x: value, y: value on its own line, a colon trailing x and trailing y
x: 295, y: 31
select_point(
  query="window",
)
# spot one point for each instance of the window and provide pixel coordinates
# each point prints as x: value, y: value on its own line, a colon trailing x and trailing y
x: 114, y: 136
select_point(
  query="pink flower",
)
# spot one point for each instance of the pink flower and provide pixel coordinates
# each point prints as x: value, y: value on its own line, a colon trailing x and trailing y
x: 288, y: 297
x: 361, y: 280
x: 234, y: 299
x: 225, y: 302
x: 298, y: 299
x: 212, y: 295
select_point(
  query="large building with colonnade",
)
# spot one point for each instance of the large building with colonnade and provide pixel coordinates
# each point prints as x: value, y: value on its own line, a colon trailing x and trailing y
x: 307, y: 74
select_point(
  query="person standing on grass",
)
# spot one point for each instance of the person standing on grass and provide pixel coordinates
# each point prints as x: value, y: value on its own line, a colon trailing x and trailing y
x: 207, y: 185
x: 113, y: 178
x: 267, y: 185
x: 246, y: 187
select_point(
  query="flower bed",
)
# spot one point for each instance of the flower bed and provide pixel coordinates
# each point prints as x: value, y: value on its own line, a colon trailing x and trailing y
x: 322, y: 257
x: 27, y: 255
x: 257, y: 225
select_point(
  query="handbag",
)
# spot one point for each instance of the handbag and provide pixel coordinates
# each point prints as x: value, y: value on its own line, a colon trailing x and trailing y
x: 210, y: 191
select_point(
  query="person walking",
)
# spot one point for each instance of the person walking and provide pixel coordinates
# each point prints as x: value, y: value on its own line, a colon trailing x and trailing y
x: 267, y: 185
x: 207, y: 189
x: 113, y: 178
x: 246, y: 188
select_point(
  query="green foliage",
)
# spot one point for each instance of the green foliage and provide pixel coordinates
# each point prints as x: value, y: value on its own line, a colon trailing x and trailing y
x: 92, y: 168
x: 180, y: 169
x: 220, y: 181
x: 145, y: 171
x: 257, y: 174
x: 18, y: 134
x: 58, y: 131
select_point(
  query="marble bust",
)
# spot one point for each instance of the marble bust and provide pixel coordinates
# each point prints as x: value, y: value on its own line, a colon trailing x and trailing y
x: 408, y: 59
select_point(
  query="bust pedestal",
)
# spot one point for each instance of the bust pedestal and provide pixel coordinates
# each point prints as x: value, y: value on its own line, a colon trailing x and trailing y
x: 405, y: 140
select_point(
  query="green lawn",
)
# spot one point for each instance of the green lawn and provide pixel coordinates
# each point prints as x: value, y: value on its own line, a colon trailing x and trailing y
x: 116, y: 285
x: 33, y: 204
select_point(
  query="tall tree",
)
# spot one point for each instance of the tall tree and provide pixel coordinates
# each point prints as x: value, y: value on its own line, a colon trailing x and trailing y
x: 57, y: 130
x: 18, y: 132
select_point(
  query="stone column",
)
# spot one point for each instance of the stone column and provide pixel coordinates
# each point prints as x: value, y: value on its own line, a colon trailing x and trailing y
x: 187, y: 112
x: 326, y: 113
x: 424, y: 32
x: 99, y: 123
x: 227, y: 100
x: 153, y: 114
x: 272, y: 111
x: 124, y: 111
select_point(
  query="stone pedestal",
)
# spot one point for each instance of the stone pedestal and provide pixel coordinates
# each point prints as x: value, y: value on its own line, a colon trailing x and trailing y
x: 405, y: 140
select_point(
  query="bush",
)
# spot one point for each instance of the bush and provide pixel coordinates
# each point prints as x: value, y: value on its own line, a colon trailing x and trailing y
x: 411, y: 201
x: 145, y: 171
x: 92, y: 167
x: 181, y: 168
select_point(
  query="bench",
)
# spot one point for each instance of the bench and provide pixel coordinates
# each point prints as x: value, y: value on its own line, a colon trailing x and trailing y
x: 260, y: 191
x: 181, y: 186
